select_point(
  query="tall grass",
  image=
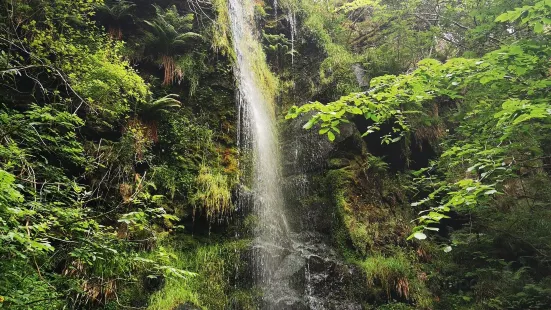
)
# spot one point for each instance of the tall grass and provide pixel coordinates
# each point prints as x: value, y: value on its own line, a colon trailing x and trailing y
x: 215, y: 266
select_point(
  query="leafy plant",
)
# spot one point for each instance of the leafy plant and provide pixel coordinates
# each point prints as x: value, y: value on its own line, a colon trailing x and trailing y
x: 168, y: 38
x: 115, y: 13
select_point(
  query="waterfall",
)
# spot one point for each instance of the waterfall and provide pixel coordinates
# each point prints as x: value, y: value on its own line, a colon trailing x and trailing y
x: 293, y: 269
x: 359, y: 73
x: 291, y: 17
x: 258, y: 143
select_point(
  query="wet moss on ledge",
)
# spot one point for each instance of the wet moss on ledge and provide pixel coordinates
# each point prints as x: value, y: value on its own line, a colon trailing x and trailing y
x: 218, y: 282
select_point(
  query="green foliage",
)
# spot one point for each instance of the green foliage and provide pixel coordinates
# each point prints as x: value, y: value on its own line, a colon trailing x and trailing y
x: 537, y: 15
x: 81, y: 203
x: 487, y: 117
x: 323, y: 26
x: 502, y: 123
x: 177, y: 292
x: 220, y: 30
x: 50, y: 133
x: 210, y: 289
x: 509, y: 73
x: 278, y: 44
x: 168, y: 39
x: 14, y: 238
x: 48, y: 218
x: 358, y: 4
x: 107, y: 83
x: 399, y: 277
x: 379, y: 107
x: 213, y: 196
x: 155, y: 108
x: 98, y: 169
x: 504, y: 252
x: 115, y: 13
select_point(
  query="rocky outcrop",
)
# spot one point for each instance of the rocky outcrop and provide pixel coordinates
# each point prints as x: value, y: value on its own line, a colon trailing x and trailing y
x: 310, y: 275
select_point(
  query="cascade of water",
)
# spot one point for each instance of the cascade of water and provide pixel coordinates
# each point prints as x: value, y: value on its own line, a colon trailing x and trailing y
x: 258, y: 142
x: 294, y: 270
x: 359, y: 72
x: 291, y: 17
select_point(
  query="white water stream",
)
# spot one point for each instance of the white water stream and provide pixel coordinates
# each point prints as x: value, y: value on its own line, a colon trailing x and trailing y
x: 294, y: 271
x: 258, y: 143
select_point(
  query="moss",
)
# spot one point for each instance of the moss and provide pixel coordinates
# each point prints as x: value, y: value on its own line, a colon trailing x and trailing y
x: 245, y: 299
x: 222, y: 42
x: 395, y: 306
x: 350, y: 230
x: 370, y: 230
x: 397, y: 276
x: 336, y: 69
x: 215, y: 266
x: 213, y: 196
x: 370, y: 206
x: 337, y: 180
x: 221, y: 32
x: 191, y: 67
x: 337, y: 163
x: 249, y: 223
x: 259, y: 10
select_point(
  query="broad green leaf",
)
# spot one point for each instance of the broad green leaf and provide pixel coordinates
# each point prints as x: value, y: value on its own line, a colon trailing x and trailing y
x: 419, y: 235
x: 538, y: 27
x: 331, y: 136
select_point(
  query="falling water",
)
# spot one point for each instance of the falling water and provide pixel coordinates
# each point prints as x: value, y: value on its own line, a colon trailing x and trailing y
x: 359, y: 72
x: 291, y: 17
x: 259, y: 145
x: 294, y: 270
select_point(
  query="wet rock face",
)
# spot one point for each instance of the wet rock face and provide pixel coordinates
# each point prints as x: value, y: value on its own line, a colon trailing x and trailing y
x: 306, y: 150
x: 313, y: 276
x: 306, y: 211
x: 306, y: 155
x: 291, y: 270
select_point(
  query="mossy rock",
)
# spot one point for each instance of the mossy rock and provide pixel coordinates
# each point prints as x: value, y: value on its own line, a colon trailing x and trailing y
x: 371, y: 211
